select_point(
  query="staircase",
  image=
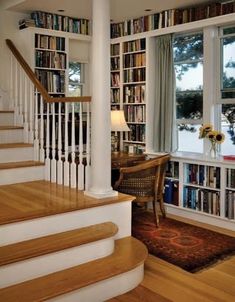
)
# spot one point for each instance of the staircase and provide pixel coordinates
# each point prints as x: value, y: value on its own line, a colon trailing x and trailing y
x: 83, y: 253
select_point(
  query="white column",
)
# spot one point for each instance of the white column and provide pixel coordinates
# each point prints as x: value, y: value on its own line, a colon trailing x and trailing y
x: 100, y: 117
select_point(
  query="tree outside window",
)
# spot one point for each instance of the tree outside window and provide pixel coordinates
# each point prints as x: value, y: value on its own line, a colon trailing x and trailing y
x: 188, y: 62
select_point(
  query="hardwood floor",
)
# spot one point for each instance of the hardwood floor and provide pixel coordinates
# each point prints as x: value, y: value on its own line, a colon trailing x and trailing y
x: 166, y: 282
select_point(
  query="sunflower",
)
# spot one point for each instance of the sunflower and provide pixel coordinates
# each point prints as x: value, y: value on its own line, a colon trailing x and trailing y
x: 220, y: 137
x: 204, y: 130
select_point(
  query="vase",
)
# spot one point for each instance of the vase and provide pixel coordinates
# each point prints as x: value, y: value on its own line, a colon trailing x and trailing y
x: 213, y: 151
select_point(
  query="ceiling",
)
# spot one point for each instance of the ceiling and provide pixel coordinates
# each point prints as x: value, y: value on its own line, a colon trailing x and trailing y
x: 120, y: 9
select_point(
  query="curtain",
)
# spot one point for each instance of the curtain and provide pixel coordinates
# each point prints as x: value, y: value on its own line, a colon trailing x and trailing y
x: 164, y: 131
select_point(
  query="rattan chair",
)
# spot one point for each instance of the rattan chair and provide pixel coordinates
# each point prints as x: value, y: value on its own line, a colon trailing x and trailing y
x: 145, y: 181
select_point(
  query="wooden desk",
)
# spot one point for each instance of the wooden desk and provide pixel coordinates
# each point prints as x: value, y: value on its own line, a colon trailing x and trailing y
x: 121, y: 159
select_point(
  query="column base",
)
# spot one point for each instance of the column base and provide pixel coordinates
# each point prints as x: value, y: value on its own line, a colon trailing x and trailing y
x: 100, y: 195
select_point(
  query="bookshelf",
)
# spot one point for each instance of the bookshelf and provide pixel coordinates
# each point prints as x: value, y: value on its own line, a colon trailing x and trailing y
x: 115, y: 64
x: 201, y: 189
x: 230, y: 193
x: 128, y: 78
x: 171, y: 17
x: 51, y: 62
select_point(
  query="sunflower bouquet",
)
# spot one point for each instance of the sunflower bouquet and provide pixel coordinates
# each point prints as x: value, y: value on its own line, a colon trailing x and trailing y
x: 215, y: 137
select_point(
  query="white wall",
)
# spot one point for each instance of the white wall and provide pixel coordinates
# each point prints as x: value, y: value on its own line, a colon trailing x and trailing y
x: 8, y: 30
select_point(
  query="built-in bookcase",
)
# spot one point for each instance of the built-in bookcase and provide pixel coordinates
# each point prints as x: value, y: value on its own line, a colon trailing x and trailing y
x: 128, y: 82
x: 230, y: 193
x: 115, y: 76
x: 51, y: 62
x: 201, y: 188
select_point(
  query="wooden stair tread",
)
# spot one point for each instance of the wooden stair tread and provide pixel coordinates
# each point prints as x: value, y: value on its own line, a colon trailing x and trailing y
x: 129, y: 253
x: 6, y: 111
x: 11, y: 127
x: 21, y: 164
x: 15, y: 145
x: 55, y: 242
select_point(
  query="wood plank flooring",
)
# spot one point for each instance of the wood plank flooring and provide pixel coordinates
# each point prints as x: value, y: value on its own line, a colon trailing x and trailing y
x: 166, y: 282
x: 41, y: 198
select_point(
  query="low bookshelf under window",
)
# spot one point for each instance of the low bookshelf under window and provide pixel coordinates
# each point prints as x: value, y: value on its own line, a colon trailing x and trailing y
x: 200, y: 188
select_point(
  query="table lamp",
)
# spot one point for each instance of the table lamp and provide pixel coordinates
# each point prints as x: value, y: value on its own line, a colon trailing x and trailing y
x: 118, y: 123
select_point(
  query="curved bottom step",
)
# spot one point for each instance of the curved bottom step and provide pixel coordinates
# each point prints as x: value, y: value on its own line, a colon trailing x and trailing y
x: 97, y: 280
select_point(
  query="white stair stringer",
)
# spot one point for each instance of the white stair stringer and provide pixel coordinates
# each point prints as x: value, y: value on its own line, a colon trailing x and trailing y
x: 23, y: 174
x: 10, y: 155
x: 106, y: 289
x: 56, y: 261
x: 11, y: 136
x: 118, y: 213
x: 7, y: 118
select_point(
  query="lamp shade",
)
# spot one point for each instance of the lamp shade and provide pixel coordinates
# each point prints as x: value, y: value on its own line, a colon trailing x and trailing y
x: 118, y: 122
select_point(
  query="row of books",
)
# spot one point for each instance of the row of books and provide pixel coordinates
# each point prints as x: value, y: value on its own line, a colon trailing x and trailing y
x: 135, y: 114
x: 136, y: 45
x: 171, y: 192
x: 63, y: 23
x: 137, y: 133
x: 115, y: 49
x: 201, y: 200
x: 53, y: 82
x: 231, y: 178
x: 134, y: 94
x: 134, y: 60
x: 48, y: 59
x: 230, y: 205
x: 115, y: 96
x: 49, y: 42
x: 172, y: 169
x: 207, y: 176
x: 171, y: 17
x: 134, y: 75
x: 115, y: 79
x: 115, y: 63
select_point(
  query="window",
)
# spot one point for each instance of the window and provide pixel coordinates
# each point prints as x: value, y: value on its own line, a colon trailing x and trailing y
x: 227, y: 88
x: 188, y: 62
x: 76, y: 78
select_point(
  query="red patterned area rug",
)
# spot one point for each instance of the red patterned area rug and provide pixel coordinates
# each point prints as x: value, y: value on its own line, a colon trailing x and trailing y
x: 189, y: 247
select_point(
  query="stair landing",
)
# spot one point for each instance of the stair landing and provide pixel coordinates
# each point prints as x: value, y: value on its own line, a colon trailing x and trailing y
x: 25, y: 201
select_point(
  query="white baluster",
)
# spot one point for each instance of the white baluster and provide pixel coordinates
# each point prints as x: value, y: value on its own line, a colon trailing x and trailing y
x: 53, y: 160
x: 36, y: 140
x: 88, y: 158
x: 16, y: 95
x: 31, y: 107
x: 25, y: 94
x: 73, y: 168
x: 12, y: 85
x: 59, y: 162
x: 66, y: 162
x: 20, y: 117
x: 42, y: 150
x: 47, y: 161
x: 80, y: 166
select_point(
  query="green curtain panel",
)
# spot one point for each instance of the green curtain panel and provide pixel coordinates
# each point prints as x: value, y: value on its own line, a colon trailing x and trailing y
x: 165, y: 134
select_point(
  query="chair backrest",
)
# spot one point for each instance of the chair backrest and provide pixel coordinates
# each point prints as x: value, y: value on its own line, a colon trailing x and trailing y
x: 145, y: 179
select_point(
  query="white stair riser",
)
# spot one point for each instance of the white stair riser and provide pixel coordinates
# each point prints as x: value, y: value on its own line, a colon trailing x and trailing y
x: 11, y: 136
x: 6, y: 119
x: 53, y: 262
x: 119, y: 213
x: 16, y: 154
x: 18, y: 175
x: 105, y: 289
